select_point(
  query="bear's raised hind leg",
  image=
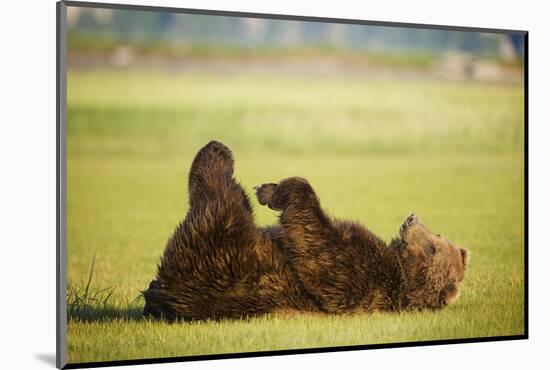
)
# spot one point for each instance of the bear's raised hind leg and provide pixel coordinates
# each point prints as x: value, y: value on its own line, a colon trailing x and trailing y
x: 211, y: 178
x: 207, y: 254
x: 211, y: 170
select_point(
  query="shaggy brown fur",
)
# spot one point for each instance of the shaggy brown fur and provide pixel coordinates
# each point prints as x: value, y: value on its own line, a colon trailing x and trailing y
x: 219, y: 264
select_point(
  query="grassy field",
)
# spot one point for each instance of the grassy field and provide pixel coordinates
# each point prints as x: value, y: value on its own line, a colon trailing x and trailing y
x: 374, y: 150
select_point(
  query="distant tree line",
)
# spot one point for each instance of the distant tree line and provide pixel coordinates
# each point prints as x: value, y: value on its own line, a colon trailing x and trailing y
x: 253, y: 32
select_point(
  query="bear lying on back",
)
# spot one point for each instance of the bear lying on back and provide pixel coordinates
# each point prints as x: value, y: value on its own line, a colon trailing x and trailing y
x: 219, y: 264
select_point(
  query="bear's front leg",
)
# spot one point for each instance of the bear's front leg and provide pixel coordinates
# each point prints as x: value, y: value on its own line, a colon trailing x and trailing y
x: 294, y: 191
x: 313, y: 240
x: 302, y: 218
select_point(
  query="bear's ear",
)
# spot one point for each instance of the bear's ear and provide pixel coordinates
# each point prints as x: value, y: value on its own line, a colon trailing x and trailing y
x: 465, y: 257
x: 412, y: 219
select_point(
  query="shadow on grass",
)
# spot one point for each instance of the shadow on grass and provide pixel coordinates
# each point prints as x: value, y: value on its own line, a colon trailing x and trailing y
x: 90, y: 313
x: 87, y: 304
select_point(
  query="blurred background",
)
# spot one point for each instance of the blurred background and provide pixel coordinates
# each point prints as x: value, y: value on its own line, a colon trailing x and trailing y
x: 383, y: 121
x: 292, y: 85
x: 124, y: 38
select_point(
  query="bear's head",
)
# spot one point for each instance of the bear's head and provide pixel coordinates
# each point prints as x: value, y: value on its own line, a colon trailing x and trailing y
x: 433, y: 267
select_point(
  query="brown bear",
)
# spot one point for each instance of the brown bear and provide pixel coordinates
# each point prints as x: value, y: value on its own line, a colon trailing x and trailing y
x: 219, y: 264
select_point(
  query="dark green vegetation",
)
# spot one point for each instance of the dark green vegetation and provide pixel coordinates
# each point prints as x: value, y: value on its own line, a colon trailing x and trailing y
x: 375, y: 151
x: 164, y: 50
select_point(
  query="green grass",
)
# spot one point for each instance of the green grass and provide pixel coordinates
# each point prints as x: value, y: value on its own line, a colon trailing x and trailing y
x: 375, y: 151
